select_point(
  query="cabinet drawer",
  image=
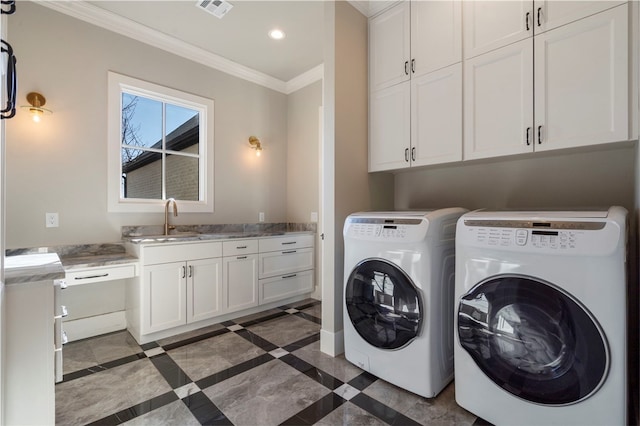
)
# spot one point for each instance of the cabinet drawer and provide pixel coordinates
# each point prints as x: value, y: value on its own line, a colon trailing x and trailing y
x: 239, y: 247
x: 286, y: 261
x: 98, y: 274
x: 286, y: 243
x: 278, y: 288
x: 180, y: 252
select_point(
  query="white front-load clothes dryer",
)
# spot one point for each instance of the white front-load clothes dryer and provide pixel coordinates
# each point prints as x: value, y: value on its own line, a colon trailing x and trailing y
x: 398, y: 307
x: 541, y: 317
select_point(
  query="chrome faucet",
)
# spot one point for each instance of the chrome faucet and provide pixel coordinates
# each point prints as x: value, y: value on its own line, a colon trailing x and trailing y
x: 167, y: 228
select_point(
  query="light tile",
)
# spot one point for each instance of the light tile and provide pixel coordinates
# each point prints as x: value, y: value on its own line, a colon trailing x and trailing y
x: 278, y: 353
x: 235, y: 327
x: 285, y: 330
x: 350, y: 414
x: 153, y: 352
x: 337, y: 366
x: 186, y: 390
x: 175, y: 413
x: 346, y: 391
x: 292, y: 311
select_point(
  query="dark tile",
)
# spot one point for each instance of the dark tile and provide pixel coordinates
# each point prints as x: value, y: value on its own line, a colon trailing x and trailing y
x: 302, y: 343
x: 123, y: 361
x: 263, y: 319
x: 312, y: 372
x: 233, y: 371
x: 316, y: 411
x: 194, y: 339
x: 309, y: 317
x: 149, y: 345
x: 102, y: 367
x: 227, y: 323
x: 137, y: 410
x: 172, y: 373
x: 363, y: 380
x: 381, y: 411
x: 204, y: 410
x: 256, y: 340
x: 481, y: 422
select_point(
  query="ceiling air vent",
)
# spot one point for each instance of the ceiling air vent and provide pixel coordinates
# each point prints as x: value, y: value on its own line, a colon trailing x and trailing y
x: 217, y: 8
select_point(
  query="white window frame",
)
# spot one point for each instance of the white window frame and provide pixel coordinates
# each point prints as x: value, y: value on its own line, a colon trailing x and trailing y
x: 117, y: 83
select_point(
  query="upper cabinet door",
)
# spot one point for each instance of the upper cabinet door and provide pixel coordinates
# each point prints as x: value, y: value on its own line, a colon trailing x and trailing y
x: 389, y: 54
x: 498, y: 102
x: 582, y: 82
x: 390, y: 128
x: 436, y: 35
x: 549, y: 14
x: 436, y: 123
x: 492, y: 24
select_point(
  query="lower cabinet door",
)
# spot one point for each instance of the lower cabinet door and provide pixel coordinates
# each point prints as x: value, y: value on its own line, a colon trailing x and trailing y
x: 277, y: 288
x: 240, y: 282
x: 164, y: 296
x: 204, y: 289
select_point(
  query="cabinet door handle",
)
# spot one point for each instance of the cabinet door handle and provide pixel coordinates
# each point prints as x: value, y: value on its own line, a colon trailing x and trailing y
x: 10, y: 109
x: 406, y: 155
x: 88, y: 277
x: 413, y: 154
x: 413, y: 66
x: 526, y: 20
x: 11, y: 4
x: 190, y: 271
x: 528, y: 132
x: 539, y: 15
x: 406, y: 67
x: 184, y: 272
x: 539, y: 135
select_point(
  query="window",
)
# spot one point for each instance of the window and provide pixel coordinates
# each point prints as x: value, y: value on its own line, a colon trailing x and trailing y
x: 160, y: 147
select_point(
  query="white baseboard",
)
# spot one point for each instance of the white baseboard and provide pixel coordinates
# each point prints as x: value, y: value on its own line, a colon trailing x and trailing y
x: 93, y: 326
x: 332, y: 343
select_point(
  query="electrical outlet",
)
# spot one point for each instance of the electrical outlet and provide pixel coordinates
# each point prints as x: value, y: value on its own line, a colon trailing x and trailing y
x: 261, y: 216
x: 51, y: 220
x: 314, y: 217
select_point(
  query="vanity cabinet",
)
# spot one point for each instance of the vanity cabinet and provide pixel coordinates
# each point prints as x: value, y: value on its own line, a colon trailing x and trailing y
x: 565, y: 87
x: 240, y: 274
x: 178, y: 284
x: 286, y: 267
x: 415, y: 102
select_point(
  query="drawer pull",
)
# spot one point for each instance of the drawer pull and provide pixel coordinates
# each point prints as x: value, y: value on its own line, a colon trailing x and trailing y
x: 288, y: 243
x: 65, y: 339
x: 290, y: 276
x: 289, y: 251
x: 88, y: 277
x: 64, y: 311
x: 241, y: 257
x: 241, y: 247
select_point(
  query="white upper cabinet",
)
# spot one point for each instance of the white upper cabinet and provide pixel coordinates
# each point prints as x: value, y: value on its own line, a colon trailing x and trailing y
x: 489, y: 25
x: 436, y: 111
x: 550, y: 14
x: 436, y: 35
x: 498, y: 102
x: 582, y: 82
x: 389, y: 47
x: 415, y: 100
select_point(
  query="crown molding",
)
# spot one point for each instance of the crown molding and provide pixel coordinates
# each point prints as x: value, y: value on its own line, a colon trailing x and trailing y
x: 361, y: 6
x: 94, y: 15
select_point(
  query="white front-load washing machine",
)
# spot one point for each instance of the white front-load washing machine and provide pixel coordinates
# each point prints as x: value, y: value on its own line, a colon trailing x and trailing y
x: 398, y: 308
x: 541, y: 317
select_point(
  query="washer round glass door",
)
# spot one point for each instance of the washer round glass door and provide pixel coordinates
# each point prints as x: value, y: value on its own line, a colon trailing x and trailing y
x: 533, y: 340
x: 383, y: 304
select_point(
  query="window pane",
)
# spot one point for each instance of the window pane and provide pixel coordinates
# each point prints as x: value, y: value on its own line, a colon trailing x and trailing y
x: 183, y: 129
x: 141, y: 174
x: 141, y: 121
x: 182, y: 177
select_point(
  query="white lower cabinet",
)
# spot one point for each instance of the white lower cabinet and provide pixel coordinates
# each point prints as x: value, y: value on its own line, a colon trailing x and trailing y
x: 241, y: 282
x: 202, y: 283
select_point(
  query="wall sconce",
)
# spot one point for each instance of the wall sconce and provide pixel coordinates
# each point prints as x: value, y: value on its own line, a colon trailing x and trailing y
x: 36, y: 101
x: 255, y: 144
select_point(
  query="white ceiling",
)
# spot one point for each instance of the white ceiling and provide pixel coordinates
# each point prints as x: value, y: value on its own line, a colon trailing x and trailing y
x: 241, y: 35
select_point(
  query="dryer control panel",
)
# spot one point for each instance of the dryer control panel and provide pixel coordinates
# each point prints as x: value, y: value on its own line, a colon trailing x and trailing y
x: 377, y: 231
x: 561, y: 240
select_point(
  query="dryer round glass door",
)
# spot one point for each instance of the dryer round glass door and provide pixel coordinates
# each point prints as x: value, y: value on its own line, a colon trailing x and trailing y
x: 533, y: 339
x: 383, y: 304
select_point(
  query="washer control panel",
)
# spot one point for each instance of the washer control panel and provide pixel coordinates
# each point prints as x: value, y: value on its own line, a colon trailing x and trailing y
x: 505, y: 237
x: 371, y: 230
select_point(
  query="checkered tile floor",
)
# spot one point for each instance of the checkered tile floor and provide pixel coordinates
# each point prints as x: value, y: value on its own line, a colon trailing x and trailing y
x: 265, y: 369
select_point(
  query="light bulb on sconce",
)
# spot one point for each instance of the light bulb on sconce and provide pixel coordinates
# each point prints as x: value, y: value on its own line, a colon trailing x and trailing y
x: 254, y: 142
x: 36, y: 101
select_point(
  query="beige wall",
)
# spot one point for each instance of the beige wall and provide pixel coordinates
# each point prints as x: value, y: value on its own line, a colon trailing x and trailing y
x: 59, y: 165
x: 303, y: 133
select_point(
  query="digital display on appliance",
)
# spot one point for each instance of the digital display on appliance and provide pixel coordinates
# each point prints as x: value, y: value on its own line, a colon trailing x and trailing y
x: 390, y: 227
x: 542, y: 224
x: 544, y: 233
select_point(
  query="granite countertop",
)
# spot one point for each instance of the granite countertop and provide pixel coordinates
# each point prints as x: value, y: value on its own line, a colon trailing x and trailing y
x: 32, y: 267
x: 80, y: 255
x: 190, y: 236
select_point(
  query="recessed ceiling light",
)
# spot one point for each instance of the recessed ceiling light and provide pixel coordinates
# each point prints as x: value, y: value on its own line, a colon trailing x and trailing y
x: 276, y: 34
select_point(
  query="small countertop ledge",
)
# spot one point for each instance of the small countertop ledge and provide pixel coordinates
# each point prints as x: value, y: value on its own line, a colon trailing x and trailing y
x: 32, y: 267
